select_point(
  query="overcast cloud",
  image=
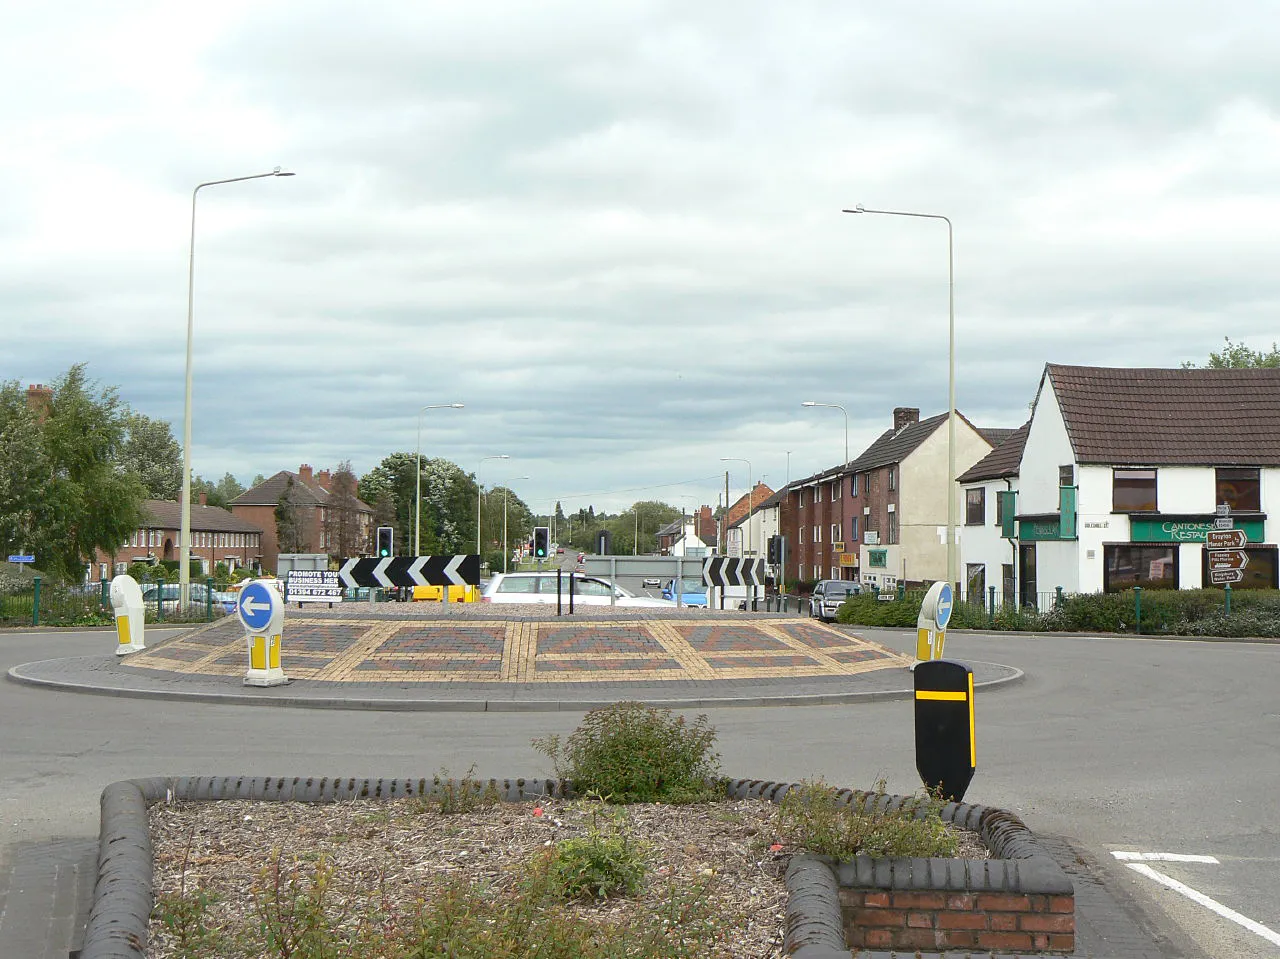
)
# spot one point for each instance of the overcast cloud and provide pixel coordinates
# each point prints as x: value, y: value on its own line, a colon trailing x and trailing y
x: 612, y: 230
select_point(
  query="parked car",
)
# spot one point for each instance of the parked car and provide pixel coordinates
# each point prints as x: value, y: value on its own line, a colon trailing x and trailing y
x: 541, y: 588
x: 652, y: 582
x: 829, y: 595
x: 222, y: 602
x: 692, y: 591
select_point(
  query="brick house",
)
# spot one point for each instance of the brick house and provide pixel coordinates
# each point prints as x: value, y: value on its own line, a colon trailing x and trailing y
x: 882, y: 518
x: 311, y: 497
x: 1121, y: 477
x: 217, y: 536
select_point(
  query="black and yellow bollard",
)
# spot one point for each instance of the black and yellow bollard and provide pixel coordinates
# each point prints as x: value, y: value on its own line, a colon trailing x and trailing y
x: 946, y: 743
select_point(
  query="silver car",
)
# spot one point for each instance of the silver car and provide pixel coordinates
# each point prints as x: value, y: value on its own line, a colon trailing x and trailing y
x: 829, y: 595
x: 541, y: 588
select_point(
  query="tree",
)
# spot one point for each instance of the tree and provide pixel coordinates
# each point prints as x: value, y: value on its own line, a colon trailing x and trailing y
x: 24, y: 470
x: 342, y: 515
x: 152, y: 454
x: 1238, y: 356
x: 218, y: 494
x: 86, y: 499
x: 290, y: 536
x: 448, y: 511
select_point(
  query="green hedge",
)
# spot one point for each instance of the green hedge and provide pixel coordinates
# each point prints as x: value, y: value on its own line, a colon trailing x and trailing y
x: 1168, y: 612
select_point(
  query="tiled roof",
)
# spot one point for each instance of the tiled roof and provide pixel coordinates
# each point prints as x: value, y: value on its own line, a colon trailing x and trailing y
x: 163, y: 514
x: 1002, y: 461
x: 893, y: 446
x: 1185, y: 417
x: 995, y: 435
x: 269, y: 491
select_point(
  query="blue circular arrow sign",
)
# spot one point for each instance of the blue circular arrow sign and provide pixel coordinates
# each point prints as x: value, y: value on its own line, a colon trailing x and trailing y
x: 943, y: 615
x: 255, y: 606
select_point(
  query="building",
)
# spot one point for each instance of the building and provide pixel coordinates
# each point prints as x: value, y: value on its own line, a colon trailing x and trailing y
x: 311, y: 496
x: 882, y: 519
x: 217, y: 536
x: 990, y: 560
x: 1123, y: 473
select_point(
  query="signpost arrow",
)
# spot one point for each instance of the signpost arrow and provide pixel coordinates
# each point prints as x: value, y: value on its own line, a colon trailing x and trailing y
x: 1220, y: 577
x: 451, y: 571
x: 415, y: 571
x: 380, y: 571
x: 1225, y: 539
x: 1227, y: 559
x: 344, y: 574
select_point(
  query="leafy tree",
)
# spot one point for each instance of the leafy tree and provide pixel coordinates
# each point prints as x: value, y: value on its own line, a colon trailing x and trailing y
x: 342, y: 515
x: 1238, y: 356
x: 448, y: 502
x: 220, y: 493
x: 290, y: 536
x: 86, y: 499
x: 152, y: 454
x: 24, y: 469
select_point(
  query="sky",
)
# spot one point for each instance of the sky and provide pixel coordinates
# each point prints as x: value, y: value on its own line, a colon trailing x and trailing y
x: 613, y: 231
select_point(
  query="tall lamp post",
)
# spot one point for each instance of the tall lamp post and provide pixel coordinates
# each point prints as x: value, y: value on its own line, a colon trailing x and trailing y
x: 417, y: 497
x: 952, y: 570
x: 750, y: 488
x: 480, y: 493
x: 844, y: 519
x: 506, y: 493
x: 184, y: 538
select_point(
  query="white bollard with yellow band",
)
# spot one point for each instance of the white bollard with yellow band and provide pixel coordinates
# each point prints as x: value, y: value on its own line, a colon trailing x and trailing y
x: 931, y: 625
x: 126, y: 603
x: 261, y: 611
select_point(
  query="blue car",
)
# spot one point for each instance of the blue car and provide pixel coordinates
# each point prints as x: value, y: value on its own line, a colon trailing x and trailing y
x: 692, y: 592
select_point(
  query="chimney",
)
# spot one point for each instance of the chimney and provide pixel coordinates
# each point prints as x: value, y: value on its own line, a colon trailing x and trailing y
x: 204, y: 499
x: 323, y: 479
x: 39, y: 397
x: 304, y: 474
x: 905, y: 416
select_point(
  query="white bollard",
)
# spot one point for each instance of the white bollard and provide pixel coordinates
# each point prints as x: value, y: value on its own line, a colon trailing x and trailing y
x: 126, y: 603
x: 261, y: 611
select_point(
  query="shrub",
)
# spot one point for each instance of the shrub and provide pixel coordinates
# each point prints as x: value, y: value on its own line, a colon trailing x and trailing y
x: 604, y: 862
x: 630, y: 753
x: 820, y: 819
x: 451, y: 797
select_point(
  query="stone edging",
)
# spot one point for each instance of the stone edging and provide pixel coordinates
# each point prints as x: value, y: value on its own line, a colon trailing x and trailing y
x: 122, y: 898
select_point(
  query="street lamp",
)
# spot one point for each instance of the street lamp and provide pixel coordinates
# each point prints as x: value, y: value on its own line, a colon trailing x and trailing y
x: 506, y: 493
x: 835, y: 406
x: 479, y: 492
x: 952, y: 571
x: 417, y: 501
x: 750, y: 487
x: 184, y: 538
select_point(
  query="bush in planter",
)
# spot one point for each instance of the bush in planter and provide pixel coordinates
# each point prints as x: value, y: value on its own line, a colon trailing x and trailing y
x: 629, y: 752
x: 814, y: 817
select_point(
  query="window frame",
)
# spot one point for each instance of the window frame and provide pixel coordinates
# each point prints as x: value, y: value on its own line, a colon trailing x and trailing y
x: 1131, y: 485
x: 980, y: 507
x: 1172, y: 578
x: 891, y: 531
x: 892, y: 478
x: 1254, y: 480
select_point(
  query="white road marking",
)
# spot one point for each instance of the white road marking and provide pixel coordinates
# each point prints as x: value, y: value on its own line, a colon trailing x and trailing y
x: 1164, y: 857
x: 1212, y: 905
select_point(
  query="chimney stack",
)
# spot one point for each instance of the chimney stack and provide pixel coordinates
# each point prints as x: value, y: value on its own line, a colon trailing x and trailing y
x: 304, y: 473
x: 39, y: 397
x: 204, y: 499
x: 323, y: 479
x: 905, y: 416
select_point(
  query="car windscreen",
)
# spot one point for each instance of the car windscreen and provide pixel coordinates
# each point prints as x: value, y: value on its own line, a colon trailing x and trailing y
x: 518, y: 584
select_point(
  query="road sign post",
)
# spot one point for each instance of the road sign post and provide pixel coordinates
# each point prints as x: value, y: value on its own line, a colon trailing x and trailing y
x: 931, y: 624
x: 261, y: 612
x: 130, y: 613
x: 946, y: 742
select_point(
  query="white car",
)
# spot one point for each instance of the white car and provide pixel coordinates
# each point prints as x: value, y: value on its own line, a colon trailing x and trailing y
x: 541, y: 588
x: 829, y: 595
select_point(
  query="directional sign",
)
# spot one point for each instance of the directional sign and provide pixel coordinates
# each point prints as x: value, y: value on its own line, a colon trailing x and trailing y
x: 1228, y: 559
x: 1220, y: 577
x: 256, y: 605
x: 723, y: 571
x: 1223, y: 522
x: 1225, y: 539
x: 455, y: 570
x: 22, y: 559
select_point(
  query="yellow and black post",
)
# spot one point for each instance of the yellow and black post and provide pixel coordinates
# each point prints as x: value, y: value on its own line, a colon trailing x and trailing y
x: 946, y: 746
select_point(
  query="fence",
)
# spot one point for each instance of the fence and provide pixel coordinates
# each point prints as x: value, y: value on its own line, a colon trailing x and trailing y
x: 45, y: 603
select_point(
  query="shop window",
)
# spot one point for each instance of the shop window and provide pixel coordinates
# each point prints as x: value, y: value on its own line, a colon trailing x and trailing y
x: 1240, y: 488
x: 1127, y: 565
x: 1133, y: 490
x: 975, y: 506
x: 1259, y: 573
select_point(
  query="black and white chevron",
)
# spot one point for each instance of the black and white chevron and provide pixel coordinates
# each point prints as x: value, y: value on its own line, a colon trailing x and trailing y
x: 722, y: 571
x: 459, y: 570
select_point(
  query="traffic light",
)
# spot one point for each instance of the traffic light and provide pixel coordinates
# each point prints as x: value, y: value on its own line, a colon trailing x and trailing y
x: 775, y: 550
x: 386, y: 541
x: 541, y: 541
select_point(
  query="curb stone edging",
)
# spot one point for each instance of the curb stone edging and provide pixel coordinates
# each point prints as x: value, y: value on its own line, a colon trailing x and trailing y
x: 123, y: 897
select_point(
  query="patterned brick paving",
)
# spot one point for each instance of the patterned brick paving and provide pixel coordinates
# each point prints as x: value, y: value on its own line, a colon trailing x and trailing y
x: 343, y: 648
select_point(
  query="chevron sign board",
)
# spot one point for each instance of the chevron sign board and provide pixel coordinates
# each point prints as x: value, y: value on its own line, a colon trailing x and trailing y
x: 459, y: 570
x: 723, y: 571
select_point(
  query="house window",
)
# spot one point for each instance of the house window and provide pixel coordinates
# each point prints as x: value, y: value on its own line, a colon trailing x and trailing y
x: 975, y: 582
x: 853, y: 485
x: 1133, y: 490
x: 817, y: 572
x: 853, y: 528
x: 801, y: 531
x: 835, y: 532
x: 835, y: 490
x: 1000, y: 510
x: 1240, y: 488
x: 893, y: 479
x: 1067, y: 475
x: 975, y: 506
x: 1126, y: 565
x: 817, y: 533
x: 801, y: 497
x: 893, y: 527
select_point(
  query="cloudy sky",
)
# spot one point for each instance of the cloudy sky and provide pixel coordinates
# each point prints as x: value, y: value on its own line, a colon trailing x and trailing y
x: 613, y: 230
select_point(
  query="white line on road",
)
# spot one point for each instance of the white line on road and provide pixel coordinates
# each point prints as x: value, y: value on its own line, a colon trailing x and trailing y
x: 1164, y: 857
x: 1213, y: 905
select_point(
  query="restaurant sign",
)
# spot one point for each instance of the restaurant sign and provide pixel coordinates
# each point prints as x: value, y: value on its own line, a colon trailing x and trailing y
x: 1187, y: 530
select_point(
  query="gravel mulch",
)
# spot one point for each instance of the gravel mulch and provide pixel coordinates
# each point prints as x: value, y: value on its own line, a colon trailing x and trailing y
x: 390, y: 856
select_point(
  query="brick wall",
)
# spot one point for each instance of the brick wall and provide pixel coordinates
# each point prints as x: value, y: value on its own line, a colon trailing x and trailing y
x: 1008, y: 922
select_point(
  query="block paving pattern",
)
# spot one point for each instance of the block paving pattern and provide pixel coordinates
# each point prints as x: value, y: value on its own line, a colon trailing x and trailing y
x: 533, y: 651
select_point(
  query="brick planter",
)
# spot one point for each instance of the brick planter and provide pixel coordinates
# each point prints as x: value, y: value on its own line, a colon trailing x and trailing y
x: 1020, y: 901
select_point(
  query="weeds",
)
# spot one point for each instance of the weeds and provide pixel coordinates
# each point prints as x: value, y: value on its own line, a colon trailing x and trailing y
x: 818, y: 818
x: 606, y: 861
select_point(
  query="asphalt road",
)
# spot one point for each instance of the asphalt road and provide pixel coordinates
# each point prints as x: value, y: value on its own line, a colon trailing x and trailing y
x: 1114, y: 744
